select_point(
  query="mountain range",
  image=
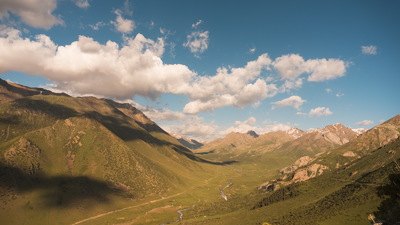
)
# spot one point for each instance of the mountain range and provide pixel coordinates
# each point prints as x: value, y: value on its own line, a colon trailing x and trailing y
x: 85, y: 160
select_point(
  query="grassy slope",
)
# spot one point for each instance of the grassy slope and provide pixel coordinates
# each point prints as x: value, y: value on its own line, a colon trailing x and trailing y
x: 115, y: 143
x: 84, y: 138
x: 346, y: 194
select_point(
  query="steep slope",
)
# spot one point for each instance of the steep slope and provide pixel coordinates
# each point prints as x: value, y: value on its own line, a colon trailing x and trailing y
x: 243, y: 145
x: 319, y: 140
x: 346, y: 195
x: 312, y: 165
x: 67, y: 152
x: 188, y: 143
x: 365, y: 186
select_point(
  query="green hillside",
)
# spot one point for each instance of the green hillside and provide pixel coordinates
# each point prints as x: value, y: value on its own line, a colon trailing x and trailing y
x: 69, y: 160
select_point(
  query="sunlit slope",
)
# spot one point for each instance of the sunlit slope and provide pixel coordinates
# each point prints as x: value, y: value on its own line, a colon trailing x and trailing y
x: 66, y: 152
x: 346, y: 195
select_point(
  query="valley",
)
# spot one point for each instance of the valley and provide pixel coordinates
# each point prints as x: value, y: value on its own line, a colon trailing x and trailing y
x: 85, y: 160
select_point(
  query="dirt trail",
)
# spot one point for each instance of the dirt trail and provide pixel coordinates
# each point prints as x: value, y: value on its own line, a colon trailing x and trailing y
x: 129, y: 207
x: 146, y: 203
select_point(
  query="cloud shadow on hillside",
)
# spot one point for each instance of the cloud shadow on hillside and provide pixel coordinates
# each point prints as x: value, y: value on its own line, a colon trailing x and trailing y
x: 204, y: 153
x: 56, y: 191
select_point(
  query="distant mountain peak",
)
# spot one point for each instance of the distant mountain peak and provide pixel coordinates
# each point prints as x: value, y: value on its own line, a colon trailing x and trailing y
x: 253, y: 133
x: 359, y: 130
x: 189, y: 143
x: 295, y: 132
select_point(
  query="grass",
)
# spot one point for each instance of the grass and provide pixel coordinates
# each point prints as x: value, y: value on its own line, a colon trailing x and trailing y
x: 91, y: 160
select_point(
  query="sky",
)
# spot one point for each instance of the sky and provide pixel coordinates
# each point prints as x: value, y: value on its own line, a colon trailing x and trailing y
x: 203, y: 69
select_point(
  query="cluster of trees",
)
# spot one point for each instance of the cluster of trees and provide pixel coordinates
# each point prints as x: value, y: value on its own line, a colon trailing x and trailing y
x: 281, y: 194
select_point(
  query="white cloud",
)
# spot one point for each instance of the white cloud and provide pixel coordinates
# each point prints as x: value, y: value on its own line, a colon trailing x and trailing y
x: 82, y: 3
x: 328, y: 90
x: 293, y: 101
x: 35, y: 13
x: 318, y: 112
x: 88, y: 67
x: 197, y: 42
x: 323, y: 69
x: 97, y: 26
x: 339, y: 95
x: 195, y: 131
x: 195, y: 25
x: 127, y: 8
x: 289, y: 66
x: 238, y: 87
x: 369, y: 50
x: 250, y: 124
x: 169, y: 115
x: 365, y: 123
x: 293, y: 65
x: 252, y: 50
x: 249, y: 121
x: 291, y: 84
x: 123, y: 25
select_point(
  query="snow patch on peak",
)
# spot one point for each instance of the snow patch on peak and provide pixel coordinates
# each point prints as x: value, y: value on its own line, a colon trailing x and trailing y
x: 359, y: 130
x: 295, y: 132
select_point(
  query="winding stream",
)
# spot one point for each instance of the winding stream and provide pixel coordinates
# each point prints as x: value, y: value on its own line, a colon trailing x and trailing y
x: 180, y: 216
x: 221, y: 190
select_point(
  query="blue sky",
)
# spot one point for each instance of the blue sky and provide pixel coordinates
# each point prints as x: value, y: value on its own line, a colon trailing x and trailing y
x: 205, y: 68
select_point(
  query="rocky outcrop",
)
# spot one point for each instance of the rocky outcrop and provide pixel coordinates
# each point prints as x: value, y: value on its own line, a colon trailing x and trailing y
x: 309, y: 172
x: 302, y: 161
x: 24, y: 155
x: 350, y: 154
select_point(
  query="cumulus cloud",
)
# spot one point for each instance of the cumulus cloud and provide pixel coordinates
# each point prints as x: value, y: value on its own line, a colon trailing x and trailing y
x: 318, y: 112
x: 237, y: 86
x: 251, y: 124
x: 289, y: 66
x: 121, y: 24
x: 293, y: 65
x: 195, y: 131
x: 35, y: 13
x: 82, y: 3
x: 169, y: 115
x: 365, y: 123
x: 369, y: 50
x: 323, y: 69
x: 288, y: 85
x: 293, y: 101
x: 197, y: 42
x: 88, y: 67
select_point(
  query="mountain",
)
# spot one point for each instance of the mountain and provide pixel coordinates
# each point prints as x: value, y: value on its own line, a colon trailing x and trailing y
x: 84, y: 160
x: 293, y: 142
x: 367, y: 186
x: 188, y: 143
x: 318, y: 140
x: 68, y: 152
x: 312, y: 165
x: 364, y: 187
x: 10, y: 91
